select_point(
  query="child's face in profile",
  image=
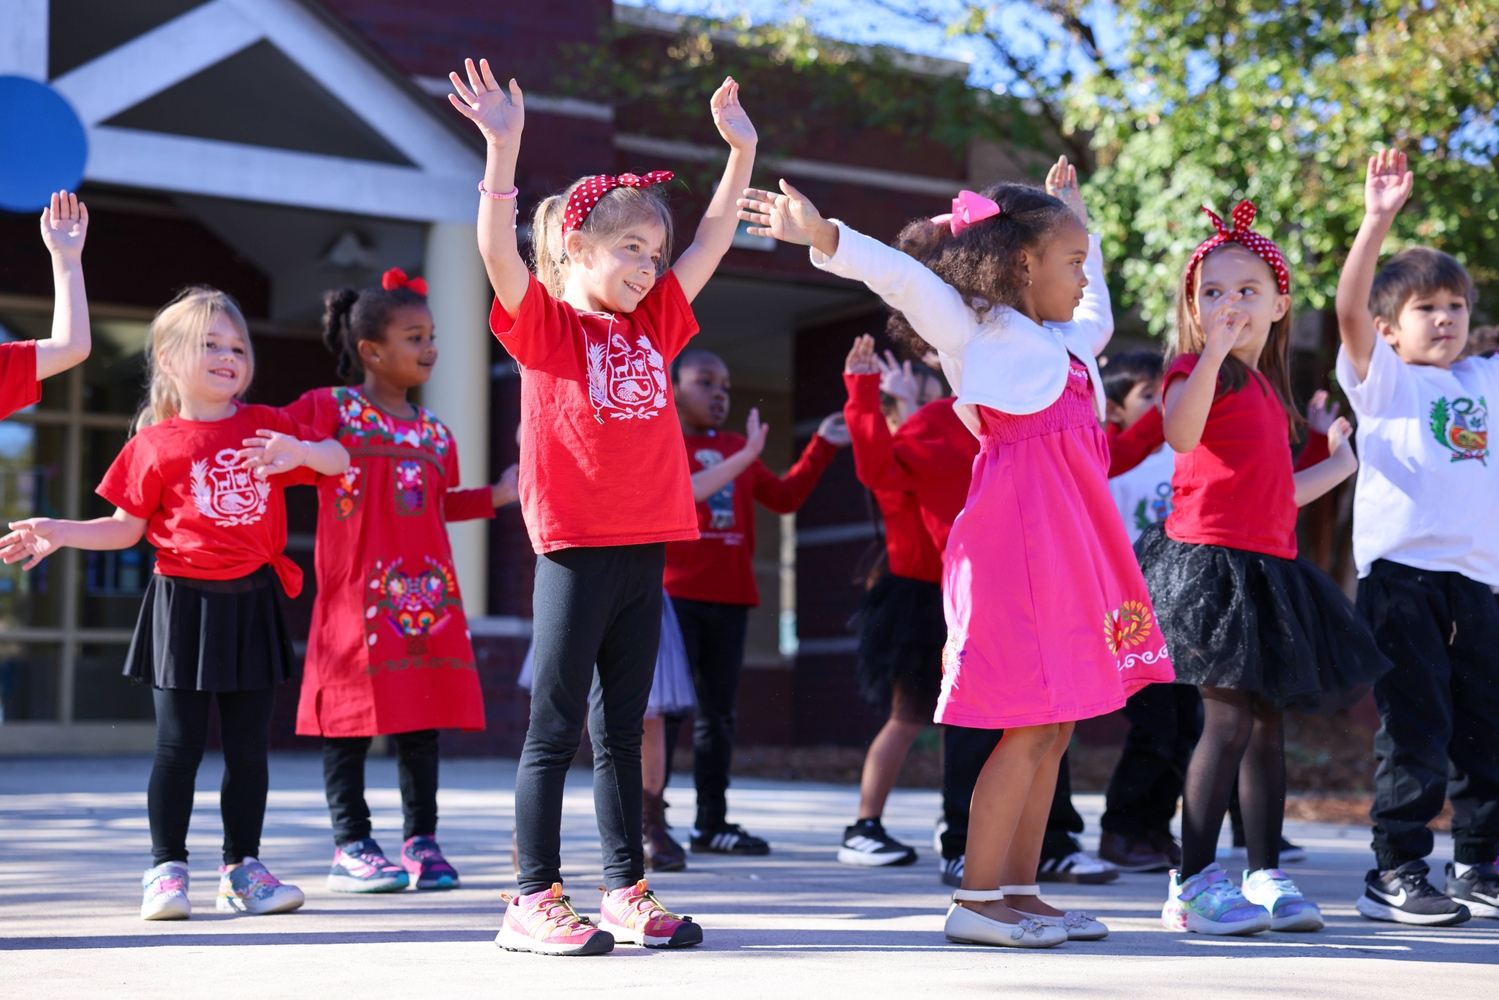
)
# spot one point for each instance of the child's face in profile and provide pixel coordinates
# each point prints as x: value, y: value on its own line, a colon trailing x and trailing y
x: 1233, y: 268
x: 1432, y: 328
x: 615, y: 277
x: 702, y: 393
x: 405, y: 357
x: 1142, y: 398
x: 1057, y: 279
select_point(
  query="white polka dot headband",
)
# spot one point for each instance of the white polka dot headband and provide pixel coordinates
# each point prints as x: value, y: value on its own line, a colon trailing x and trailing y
x: 1263, y: 248
x: 591, y: 189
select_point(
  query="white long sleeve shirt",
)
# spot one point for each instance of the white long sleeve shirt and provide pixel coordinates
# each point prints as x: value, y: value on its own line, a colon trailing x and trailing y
x: 1003, y: 359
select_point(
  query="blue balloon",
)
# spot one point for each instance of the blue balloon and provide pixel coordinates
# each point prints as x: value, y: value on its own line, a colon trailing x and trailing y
x: 43, y: 147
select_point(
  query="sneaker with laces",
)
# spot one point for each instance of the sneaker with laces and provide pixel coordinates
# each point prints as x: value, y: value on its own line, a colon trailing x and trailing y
x: 545, y: 923
x: 252, y: 889
x: 1402, y: 895
x: 1210, y: 903
x: 1478, y: 890
x: 424, y: 863
x: 1078, y: 868
x: 164, y: 892
x: 1289, y: 909
x: 731, y: 838
x: 867, y: 845
x: 360, y: 866
x: 635, y: 915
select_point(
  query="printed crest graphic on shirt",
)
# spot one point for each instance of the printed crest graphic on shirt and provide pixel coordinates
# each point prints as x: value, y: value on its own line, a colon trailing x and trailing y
x: 415, y: 607
x: 1153, y: 509
x: 720, y: 504
x: 1462, y: 427
x: 628, y: 380
x: 228, y: 492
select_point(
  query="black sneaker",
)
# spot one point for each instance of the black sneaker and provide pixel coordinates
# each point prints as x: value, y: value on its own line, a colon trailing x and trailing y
x: 951, y: 871
x: 1405, y: 897
x: 1478, y: 890
x: 731, y: 838
x: 868, y: 845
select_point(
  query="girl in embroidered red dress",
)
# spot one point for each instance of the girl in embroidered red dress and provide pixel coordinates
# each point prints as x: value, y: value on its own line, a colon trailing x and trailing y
x: 389, y: 652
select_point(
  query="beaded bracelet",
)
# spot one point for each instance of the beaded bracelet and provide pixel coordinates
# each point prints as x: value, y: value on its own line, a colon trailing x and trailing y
x: 513, y: 192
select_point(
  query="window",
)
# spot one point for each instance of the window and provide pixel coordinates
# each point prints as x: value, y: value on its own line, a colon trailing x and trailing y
x: 65, y: 626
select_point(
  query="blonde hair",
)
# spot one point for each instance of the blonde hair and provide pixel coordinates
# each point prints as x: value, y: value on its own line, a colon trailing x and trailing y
x: 611, y: 218
x: 180, y: 331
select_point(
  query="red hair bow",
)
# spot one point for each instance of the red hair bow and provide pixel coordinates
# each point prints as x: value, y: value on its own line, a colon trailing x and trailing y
x: 1262, y: 247
x: 591, y: 189
x: 396, y: 278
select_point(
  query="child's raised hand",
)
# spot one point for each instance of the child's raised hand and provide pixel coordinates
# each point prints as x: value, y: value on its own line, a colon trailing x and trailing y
x: 1223, y: 326
x: 1061, y: 183
x: 1388, y: 183
x: 788, y: 216
x: 754, y: 433
x: 1319, y: 415
x: 861, y: 358
x: 65, y: 225
x: 834, y: 430
x: 33, y: 539
x: 897, y: 379
x: 1338, y: 433
x: 271, y: 452
x: 729, y: 115
x: 500, y: 116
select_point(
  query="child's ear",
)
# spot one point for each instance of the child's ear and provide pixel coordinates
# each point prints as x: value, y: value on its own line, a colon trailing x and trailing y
x: 366, y: 351
x: 1282, y: 305
x: 1113, y: 412
x: 1389, y: 331
x: 575, y: 245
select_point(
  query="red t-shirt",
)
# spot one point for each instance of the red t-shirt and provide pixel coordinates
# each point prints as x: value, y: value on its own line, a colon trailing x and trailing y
x: 1235, y: 488
x: 18, y: 385
x: 909, y: 549
x: 718, y: 565
x: 208, y: 516
x: 601, y: 459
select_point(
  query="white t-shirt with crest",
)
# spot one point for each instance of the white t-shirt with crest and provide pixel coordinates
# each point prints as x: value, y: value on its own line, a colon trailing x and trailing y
x: 1143, y: 494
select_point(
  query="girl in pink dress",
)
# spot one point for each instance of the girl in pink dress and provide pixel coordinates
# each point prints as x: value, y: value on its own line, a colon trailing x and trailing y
x: 1048, y: 618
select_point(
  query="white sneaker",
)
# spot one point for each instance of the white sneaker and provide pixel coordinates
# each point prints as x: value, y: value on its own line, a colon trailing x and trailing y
x: 937, y: 833
x: 1077, y: 867
x: 967, y: 926
x: 165, y: 892
x: 252, y: 889
x: 1289, y: 909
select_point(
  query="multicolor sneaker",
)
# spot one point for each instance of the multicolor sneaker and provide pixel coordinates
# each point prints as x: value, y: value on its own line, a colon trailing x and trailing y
x: 165, y: 892
x: 1289, y: 909
x: 1209, y: 903
x: 423, y: 861
x: 359, y: 866
x: 253, y: 890
x: 546, y: 923
x: 633, y: 914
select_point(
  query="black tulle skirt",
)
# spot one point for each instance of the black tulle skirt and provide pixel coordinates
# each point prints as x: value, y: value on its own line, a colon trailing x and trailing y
x: 1251, y: 622
x: 212, y: 635
x: 901, y: 633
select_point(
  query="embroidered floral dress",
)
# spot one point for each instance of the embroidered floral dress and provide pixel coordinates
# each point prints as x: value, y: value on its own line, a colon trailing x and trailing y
x: 389, y: 650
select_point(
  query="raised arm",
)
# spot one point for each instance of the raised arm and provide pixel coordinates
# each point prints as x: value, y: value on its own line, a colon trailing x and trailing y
x: 875, y: 462
x: 35, y: 538
x: 715, y: 234
x: 1340, y: 463
x: 1188, y: 400
x: 501, y: 117
x: 707, y: 482
x: 1387, y: 185
x: 1094, y: 315
x: 64, y: 229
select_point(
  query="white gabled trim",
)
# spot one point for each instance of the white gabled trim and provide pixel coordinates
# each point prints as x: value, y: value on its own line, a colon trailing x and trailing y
x: 23, y: 40
x: 889, y: 180
x: 567, y: 107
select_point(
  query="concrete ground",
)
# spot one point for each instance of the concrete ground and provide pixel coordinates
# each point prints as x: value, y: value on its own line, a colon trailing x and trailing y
x: 793, y: 924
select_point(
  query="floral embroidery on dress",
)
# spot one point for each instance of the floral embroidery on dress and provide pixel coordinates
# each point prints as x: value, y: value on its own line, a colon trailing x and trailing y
x: 414, y: 607
x: 364, y: 425
x: 411, y: 488
x: 346, y: 492
x: 1132, y: 624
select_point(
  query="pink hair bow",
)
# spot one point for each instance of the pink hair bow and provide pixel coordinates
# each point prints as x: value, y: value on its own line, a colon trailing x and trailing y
x: 967, y: 208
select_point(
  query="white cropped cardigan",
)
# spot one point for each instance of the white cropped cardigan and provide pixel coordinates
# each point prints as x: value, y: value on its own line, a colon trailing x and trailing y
x: 1001, y: 360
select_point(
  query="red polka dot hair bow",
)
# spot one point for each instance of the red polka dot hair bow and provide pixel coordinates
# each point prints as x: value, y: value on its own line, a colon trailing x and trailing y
x: 396, y: 278
x: 591, y: 189
x: 1260, y: 246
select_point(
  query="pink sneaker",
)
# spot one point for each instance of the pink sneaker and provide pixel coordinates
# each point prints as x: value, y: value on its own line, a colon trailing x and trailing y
x: 634, y: 914
x: 546, y: 923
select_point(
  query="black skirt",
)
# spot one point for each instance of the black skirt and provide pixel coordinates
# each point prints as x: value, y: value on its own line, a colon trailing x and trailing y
x: 901, y: 634
x: 212, y: 635
x: 1251, y: 622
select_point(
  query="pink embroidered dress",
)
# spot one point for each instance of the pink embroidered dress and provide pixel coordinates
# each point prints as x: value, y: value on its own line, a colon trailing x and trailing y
x: 1048, y: 617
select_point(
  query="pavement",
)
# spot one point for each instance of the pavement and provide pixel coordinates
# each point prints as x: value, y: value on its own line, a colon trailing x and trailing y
x: 793, y: 924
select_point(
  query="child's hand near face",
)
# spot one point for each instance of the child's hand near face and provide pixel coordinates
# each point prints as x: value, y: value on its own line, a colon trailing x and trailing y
x: 730, y: 117
x: 1061, y: 183
x: 1319, y: 415
x: 501, y: 117
x: 1387, y: 184
x: 789, y: 217
x: 1222, y: 326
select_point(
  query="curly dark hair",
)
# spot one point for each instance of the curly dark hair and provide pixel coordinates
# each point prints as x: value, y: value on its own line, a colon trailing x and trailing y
x: 982, y: 262
x: 350, y: 316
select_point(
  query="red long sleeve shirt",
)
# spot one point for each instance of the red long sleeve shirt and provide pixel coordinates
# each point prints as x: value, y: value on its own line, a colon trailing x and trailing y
x: 718, y: 566
x: 909, y: 549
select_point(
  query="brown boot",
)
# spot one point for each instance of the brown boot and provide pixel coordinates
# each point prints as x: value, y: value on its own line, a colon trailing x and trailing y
x: 662, y: 854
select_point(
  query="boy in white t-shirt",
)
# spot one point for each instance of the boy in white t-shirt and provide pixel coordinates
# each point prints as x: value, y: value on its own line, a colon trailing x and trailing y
x: 1426, y: 541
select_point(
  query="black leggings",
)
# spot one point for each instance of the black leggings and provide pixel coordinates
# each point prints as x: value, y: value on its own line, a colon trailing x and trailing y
x: 181, y: 733
x: 416, y: 769
x: 592, y: 606
x: 1241, y: 735
x: 713, y: 635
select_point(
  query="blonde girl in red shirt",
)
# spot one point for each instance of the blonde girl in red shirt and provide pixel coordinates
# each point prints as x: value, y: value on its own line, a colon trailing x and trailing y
x: 603, y: 486
x: 196, y: 480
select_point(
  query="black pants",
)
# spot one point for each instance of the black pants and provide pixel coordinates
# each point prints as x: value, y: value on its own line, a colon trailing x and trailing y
x: 591, y: 606
x: 343, y: 779
x: 1165, y: 723
x: 714, y: 636
x: 1439, y: 708
x: 181, y: 734
x: 964, y: 754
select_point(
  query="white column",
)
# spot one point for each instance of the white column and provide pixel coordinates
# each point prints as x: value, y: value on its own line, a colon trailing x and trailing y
x: 23, y: 38
x: 458, y: 392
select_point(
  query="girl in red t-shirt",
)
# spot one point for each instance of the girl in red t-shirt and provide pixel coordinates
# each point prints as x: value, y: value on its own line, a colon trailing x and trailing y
x: 603, y: 486
x: 197, y: 481
x: 389, y: 652
x: 1255, y: 627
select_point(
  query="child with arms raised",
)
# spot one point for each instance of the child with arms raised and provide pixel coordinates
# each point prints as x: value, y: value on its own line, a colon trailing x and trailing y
x: 24, y: 363
x: 604, y: 486
x: 1048, y: 619
x: 197, y: 481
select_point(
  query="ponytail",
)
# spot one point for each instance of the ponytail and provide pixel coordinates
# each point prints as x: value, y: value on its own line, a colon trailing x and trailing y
x: 548, y: 252
x: 612, y: 216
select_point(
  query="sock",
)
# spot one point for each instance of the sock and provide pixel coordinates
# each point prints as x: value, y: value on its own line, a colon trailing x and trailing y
x: 869, y: 822
x: 1461, y: 870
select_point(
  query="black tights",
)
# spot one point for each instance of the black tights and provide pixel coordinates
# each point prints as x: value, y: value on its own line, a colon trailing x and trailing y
x: 1241, y: 735
x: 343, y: 778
